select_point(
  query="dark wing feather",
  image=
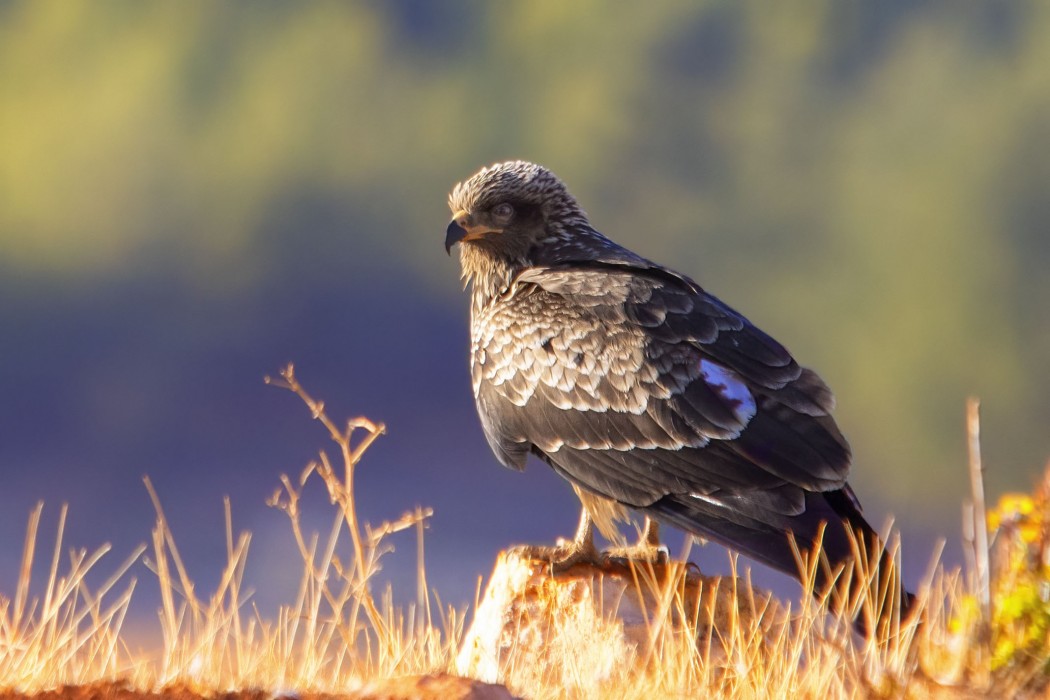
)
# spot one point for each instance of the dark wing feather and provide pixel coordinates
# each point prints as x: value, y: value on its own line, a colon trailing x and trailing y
x: 637, y: 385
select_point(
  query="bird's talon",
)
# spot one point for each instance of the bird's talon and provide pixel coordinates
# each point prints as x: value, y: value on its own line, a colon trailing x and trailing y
x: 563, y: 556
x: 640, y: 553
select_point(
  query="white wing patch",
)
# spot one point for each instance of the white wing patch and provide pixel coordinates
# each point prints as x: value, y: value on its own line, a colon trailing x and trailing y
x: 710, y: 500
x: 728, y: 385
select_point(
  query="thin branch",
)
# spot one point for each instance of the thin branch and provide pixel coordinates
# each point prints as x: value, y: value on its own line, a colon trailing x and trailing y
x: 365, y: 552
x: 980, y: 531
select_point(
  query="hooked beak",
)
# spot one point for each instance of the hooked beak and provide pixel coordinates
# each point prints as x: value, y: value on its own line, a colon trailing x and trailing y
x: 462, y: 228
x: 453, y: 235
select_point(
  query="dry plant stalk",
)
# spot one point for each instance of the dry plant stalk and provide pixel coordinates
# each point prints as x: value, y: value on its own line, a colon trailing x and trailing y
x: 342, y: 493
x: 335, y: 635
x: 388, y: 637
x: 980, y: 542
x: 71, y: 636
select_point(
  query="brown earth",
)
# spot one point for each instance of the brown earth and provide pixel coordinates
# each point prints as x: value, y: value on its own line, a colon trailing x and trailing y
x: 430, y: 687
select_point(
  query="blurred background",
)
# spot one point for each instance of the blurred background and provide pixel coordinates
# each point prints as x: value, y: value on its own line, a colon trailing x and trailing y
x: 193, y: 194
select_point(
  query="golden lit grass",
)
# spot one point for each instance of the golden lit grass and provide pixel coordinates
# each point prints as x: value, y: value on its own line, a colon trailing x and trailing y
x: 337, y: 634
x: 72, y: 633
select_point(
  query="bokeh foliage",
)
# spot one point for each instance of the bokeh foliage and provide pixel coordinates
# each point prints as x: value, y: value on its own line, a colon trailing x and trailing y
x: 867, y: 181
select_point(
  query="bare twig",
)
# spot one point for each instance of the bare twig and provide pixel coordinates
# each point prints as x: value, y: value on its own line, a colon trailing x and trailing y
x: 980, y: 525
x: 367, y: 547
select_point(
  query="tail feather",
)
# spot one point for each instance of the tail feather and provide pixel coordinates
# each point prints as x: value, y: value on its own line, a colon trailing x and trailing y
x: 831, y: 519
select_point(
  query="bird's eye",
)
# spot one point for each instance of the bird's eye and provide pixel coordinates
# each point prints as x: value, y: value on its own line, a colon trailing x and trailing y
x: 503, y: 211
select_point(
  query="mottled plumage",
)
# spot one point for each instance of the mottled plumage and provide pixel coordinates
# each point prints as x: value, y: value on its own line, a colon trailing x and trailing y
x: 635, y: 384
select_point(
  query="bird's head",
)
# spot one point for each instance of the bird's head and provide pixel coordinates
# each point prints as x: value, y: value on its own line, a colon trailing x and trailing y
x: 504, y: 210
x: 515, y: 215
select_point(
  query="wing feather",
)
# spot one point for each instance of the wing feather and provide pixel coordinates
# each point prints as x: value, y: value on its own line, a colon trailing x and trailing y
x: 636, y: 384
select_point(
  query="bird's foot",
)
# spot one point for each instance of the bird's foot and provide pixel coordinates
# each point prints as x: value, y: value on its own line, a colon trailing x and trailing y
x: 640, y: 552
x: 564, y: 555
x: 568, y: 553
x: 646, y: 550
x: 581, y: 550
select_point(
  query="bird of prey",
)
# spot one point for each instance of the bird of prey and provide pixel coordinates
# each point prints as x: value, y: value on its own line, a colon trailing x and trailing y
x: 640, y: 388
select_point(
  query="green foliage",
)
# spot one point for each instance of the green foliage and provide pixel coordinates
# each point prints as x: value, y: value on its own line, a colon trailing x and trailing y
x: 1020, y: 621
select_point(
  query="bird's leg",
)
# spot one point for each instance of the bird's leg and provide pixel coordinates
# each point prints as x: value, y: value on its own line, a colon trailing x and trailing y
x: 565, y: 555
x: 648, y: 547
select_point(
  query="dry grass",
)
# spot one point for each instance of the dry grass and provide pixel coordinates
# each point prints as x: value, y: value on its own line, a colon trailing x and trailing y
x: 72, y: 633
x: 337, y: 633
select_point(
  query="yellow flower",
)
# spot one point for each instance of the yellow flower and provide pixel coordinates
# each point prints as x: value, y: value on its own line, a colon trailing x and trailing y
x: 1015, y: 508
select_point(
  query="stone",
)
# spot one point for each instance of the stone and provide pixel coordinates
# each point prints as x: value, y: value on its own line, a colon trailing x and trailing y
x: 579, y: 627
